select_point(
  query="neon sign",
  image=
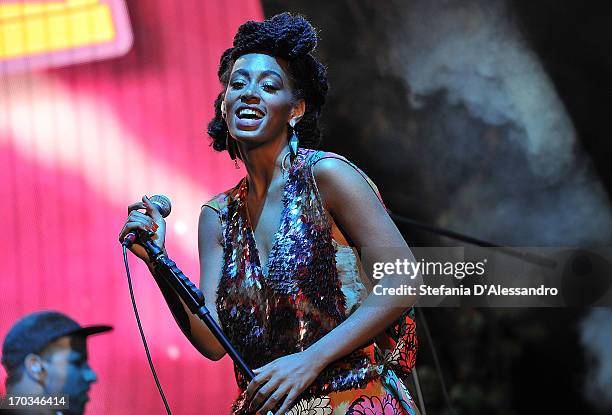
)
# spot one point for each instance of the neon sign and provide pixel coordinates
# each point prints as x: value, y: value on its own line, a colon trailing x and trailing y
x: 41, y: 34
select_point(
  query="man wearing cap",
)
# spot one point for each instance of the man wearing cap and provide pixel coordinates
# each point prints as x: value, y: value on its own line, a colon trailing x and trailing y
x: 45, y: 354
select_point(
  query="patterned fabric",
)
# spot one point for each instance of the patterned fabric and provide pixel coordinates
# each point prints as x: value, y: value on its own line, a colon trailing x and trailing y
x: 312, y: 285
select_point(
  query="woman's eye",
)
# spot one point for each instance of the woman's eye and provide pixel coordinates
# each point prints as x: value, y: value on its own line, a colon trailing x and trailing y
x: 269, y: 87
x: 265, y: 87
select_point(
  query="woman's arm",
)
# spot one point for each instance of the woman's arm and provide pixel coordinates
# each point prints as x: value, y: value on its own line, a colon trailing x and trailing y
x: 211, y: 256
x: 209, y: 237
x: 357, y: 210
x: 210, y: 253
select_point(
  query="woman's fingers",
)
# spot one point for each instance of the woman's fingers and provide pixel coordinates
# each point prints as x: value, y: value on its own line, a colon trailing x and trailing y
x: 150, y: 221
x: 258, y: 389
x: 288, y: 402
x: 134, y: 206
x: 136, y: 220
x: 254, y: 384
x: 267, y: 394
x: 139, y: 216
x: 130, y: 226
x: 151, y: 209
x: 275, y: 399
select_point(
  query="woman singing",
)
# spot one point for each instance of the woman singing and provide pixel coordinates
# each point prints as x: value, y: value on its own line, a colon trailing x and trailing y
x: 278, y: 251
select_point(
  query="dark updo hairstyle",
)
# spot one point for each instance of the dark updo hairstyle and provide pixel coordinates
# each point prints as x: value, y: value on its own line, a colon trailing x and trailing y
x: 293, y: 39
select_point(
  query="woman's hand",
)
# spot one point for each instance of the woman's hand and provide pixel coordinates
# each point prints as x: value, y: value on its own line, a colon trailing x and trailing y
x: 152, y: 221
x: 281, y: 382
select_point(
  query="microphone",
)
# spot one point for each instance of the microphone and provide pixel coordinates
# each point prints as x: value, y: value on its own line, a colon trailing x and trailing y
x: 165, y: 270
x: 162, y: 204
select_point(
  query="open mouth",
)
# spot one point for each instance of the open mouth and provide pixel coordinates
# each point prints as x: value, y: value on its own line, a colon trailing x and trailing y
x: 249, y: 113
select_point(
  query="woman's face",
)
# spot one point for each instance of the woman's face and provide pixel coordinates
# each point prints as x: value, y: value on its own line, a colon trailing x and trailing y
x: 259, y: 100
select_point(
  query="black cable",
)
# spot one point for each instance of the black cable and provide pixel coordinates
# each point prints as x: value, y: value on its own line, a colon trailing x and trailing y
x: 524, y: 256
x: 142, y: 335
x: 436, y: 361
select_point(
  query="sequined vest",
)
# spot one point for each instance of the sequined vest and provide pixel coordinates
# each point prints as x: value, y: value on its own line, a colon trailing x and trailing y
x: 305, y: 294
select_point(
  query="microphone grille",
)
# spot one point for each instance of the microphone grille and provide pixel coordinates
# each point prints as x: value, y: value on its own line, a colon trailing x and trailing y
x: 162, y: 203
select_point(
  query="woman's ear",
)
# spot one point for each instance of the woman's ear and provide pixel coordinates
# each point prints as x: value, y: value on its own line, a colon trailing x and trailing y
x: 297, y: 112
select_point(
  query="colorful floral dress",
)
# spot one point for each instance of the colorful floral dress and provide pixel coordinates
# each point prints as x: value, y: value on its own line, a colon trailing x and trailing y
x: 312, y: 285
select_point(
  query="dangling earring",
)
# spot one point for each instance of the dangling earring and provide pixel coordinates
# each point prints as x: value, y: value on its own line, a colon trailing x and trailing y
x: 294, y: 142
x: 230, y: 145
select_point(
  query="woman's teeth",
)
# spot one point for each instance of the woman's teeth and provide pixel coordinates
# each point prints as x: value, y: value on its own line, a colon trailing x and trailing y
x: 249, y: 113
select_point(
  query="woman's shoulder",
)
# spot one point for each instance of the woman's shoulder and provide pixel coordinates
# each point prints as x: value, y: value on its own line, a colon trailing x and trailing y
x: 313, y: 157
x: 329, y: 165
x: 323, y: 163
x: 221, y: 200
x: 334, y: 172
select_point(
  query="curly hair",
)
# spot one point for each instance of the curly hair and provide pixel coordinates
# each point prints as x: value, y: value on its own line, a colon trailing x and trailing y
x: 294, y: 39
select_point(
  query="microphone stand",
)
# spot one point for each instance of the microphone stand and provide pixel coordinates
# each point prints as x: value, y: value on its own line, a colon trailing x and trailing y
x: 192, y: 297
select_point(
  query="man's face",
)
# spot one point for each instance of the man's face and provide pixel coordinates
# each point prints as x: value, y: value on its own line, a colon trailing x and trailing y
x: 68, y: 372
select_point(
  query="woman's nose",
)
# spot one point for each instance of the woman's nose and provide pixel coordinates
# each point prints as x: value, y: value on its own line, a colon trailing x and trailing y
x: 248, y: 94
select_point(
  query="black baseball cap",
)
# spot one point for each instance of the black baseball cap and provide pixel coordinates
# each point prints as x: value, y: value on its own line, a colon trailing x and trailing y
x: 32, y: 333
